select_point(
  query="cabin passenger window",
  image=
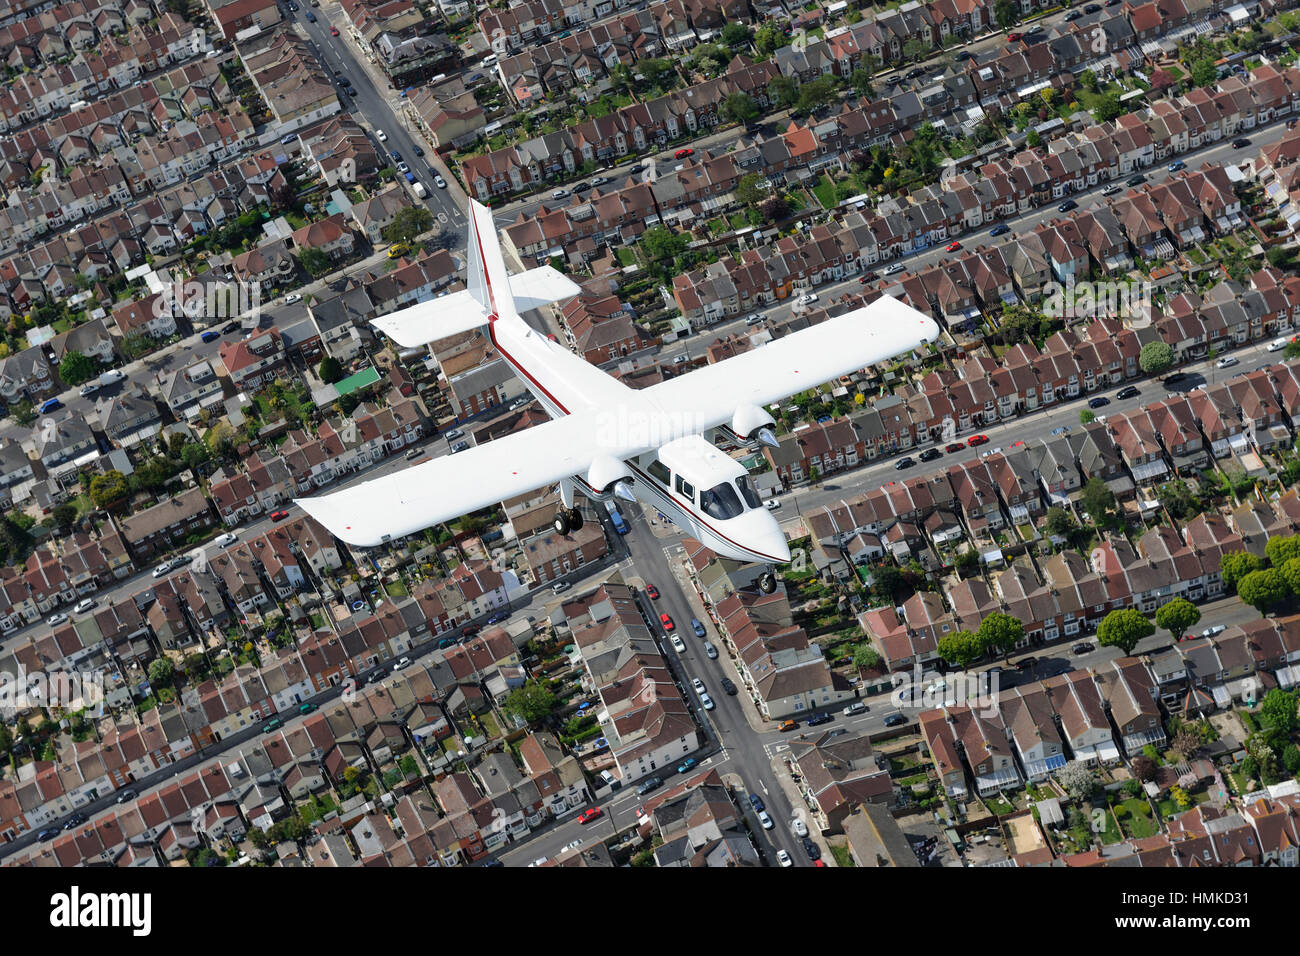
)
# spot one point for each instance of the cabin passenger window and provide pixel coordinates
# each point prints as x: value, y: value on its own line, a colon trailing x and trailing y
x: 685, y: 489
x: 748, y: 493
x: 659, y: 472
x: 721, y: 502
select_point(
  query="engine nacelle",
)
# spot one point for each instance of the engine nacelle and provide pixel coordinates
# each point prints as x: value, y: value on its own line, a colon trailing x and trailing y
x: 752, y: 424
x: 608, y: 476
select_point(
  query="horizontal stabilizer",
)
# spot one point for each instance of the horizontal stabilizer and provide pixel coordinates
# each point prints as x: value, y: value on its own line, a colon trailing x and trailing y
x: 447, y: 315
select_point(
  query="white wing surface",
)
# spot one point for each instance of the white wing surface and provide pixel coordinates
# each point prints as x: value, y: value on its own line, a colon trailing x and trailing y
x: 805, y: 359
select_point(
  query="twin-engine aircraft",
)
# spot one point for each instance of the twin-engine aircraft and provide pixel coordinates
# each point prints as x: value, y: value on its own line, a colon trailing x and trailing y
x: 656, y: 445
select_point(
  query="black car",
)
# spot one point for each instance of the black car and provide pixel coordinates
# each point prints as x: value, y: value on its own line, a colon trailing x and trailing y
x: 894, y: 720
x: 728, y: 686
x: 74, y: 821
x: 1101, y: 401
x: 1128, y: 391
x: 1074, y: 14
x: 913, y: 74
x: 1067, y: 206
x: 49, y: 833
x: 964, y: 55
x: 930, y: 454
x: 229, y: 327
x: 654, y: 783
x: 1026, y: 663
x: 905, y: 462
x: 1174, y: 378
x: 1137, y: 179
x: 581, y: 187
x: 756, y: 802
x: 1240, y: 142
x: 812, y: 849
x: 1092, y: 8
x: 634, y: 169
x: 1083, y: 647
x: 815, y: 719
x: 417, y: 150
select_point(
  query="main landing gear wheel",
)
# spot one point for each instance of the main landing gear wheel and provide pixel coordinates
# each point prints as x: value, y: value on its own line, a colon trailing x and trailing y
x: 567, y: 520
x: 767, y: 582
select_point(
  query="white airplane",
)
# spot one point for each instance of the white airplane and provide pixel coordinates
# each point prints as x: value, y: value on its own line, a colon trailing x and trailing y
x: 607, y: 439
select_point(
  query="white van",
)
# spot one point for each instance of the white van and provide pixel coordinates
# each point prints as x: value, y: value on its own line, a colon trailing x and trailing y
x: 420, y: 190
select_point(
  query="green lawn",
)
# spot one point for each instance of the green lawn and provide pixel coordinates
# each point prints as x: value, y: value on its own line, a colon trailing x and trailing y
x: 843, y: 856
x: 1137, y: 821
x: 626, y: 256
x: 1112, y: 832
x: 825, y: 192
x: 396, y: 589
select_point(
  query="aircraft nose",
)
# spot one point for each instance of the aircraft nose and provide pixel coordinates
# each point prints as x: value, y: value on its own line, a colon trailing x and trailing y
x: 773, y: 543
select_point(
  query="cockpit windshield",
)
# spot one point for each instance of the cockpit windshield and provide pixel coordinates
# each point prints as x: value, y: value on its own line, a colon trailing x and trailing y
x: 748, y: 493
x: 721, y: 502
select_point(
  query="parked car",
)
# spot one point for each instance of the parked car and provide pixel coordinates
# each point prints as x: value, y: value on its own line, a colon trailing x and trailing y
x: 678, y: 645
x: 1092, y: 8
x: 707, y: 702
x: 1013, y: 37
x: 816, y: 720
x: 591, y: 813
x: 857, y: 707
x: 930, y: 454
x: 1226, y: 362
x: 459, y: 447
x: 279, y: 515
x: 808, y: 298
x: 686, y: 765
x: 272, y: 725
x: 710, y: 651
x: 1073, y: 15
x: 813, y: 851
x: 654, y: 783
x: 652, y: 592
x: 89, y: 389
x: 905, y: 462
x: 1240, y: 142
x: 756, y: 802
x: 1174, y: 377
x: 127, y: 795
x: 381, y: 136
x: 292, y: 298
x: 1176, y: 165
x: 1212, y: 631
x: 667, y: 622
x: 976, y: 440
x: 697, y: 627
x: 1128, y: 391
x: 49, y: 405
x: 894, y: 720
x: 162, y: 570
x: 402, y: 664
x: 1112, y: 190
x: 1276, y: 345
x: 49, y: 833
x: 782, y: 856
x: 1100, y: 401
x: 771, y: 504
x: 439, y: 181
x: 1136, y: 179
x: 306, y: 708
x: 560, y: 587
x: 334, y: 31
x: 55, y: 620
x: 84, y: 606
x: 1067, y: 206
x: 727, y: 686
x: 1001, y: 229
x: 952, y: 246
x: 225, y: 540
x: 1083, y: 647
x: 787, y: 725
x: 896, y: 268
x: 766, y: 821
x: 683, y: 153
x: 954, y: 446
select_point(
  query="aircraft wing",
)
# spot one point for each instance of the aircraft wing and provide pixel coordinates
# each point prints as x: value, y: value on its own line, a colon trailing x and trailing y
x: 414, y: 498
x: 805, y: 359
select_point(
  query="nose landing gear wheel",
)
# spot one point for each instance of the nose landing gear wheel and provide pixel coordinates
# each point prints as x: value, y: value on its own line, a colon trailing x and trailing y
x: 567, y: 521
x: 767, y: 582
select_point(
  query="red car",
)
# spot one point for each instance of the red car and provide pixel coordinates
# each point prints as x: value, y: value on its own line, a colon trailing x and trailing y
x: 954, y: 446
x: 1013, y: 37
x: 279, y: 515
x: 591, y: 813
x: 334, y: 31
x: 652, y: 592
x: 683, y: 153
x: 976, y: 440
x: 667, y: 622
x: 954, y: 246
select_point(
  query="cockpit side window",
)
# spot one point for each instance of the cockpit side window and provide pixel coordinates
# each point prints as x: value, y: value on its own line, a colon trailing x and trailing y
x: 721, y: 502
x: 748, y: 493
x: 660, y: 473
x: 685, y: 489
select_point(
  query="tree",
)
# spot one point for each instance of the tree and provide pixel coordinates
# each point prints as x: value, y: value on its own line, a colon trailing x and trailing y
x: 1006, y: 13
x: 1290, y: 758
x: 531, y: 702
x: 960, y: 649
x: 887, y: 582
x: 1204, y: 72
x: 1123, y: 629
x: 866, y: 658
x: 916, y: 48
x: 315, y: 261
x: 64, y: 515
x: 1262, y: 589
x: 1144, y: 768
x: 161, y: 672
x: 1086, y: 417
x: 77, y: 368
x: 1178, y: 616
x: 1098, y: 500
x: 1235, y: 565
x: 783, y: 91
x: 1059, y: 523
x: 1033, y: 139
x: 409, y: 222
x: 1186, y: 743
x: 1000, y: 633
x: 774, y: 208
x: 1277, y: 712
x: 1108, y: 107
x: 817, y: 93
x: 1156, y: 357
x: 739, y: 108
x: 330, y: 370
x: 768, y: 38
x: 108, y: 489
x: 860, y: 82
x: 1078, y: 780
x: 1291, y: 575
x: 194, y: 454
x: 662, y: 244
x: 749, y: 189
x: 1282, y: 548
x: 736, y: 35
x: 1088, y: 80
x: 1178, y: 499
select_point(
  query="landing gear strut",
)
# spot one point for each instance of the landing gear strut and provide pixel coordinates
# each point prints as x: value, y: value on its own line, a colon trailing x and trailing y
x: 567, y: 520
x: 767, y: 582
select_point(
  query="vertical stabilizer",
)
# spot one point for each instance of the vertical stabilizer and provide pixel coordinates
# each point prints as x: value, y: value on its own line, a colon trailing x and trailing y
x: 486, y: 273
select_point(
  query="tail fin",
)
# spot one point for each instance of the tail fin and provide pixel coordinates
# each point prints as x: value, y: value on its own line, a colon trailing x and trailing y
x: 487, y: 279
